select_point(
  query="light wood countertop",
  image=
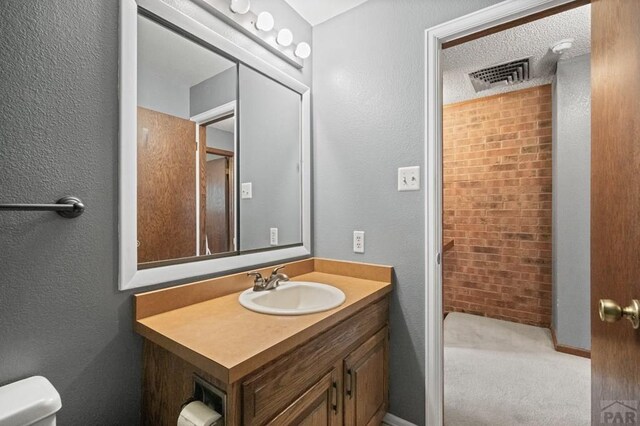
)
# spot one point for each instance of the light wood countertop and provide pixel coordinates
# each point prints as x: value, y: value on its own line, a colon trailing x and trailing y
x: 228, y: 341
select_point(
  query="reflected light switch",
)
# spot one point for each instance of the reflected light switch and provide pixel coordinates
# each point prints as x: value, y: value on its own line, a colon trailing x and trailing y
x: 246, y: 192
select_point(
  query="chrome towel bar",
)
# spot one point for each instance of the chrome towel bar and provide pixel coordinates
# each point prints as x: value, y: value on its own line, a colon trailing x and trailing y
x: 67, y: 207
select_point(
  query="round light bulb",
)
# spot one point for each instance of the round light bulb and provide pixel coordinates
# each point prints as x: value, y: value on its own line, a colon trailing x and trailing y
x: 303, y: 50
x: 265, y: 21
x: 285, y: 37
x: 240, y: 6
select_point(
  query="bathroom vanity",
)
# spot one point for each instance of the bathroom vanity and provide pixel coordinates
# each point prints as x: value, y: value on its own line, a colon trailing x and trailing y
x: 191, y: 205
x: 326, y: 368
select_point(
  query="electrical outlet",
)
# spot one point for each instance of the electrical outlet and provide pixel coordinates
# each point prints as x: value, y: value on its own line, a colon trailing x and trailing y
x: 273, y: 236
x: 358, y: 241
x: 409, y: 178
x: 246, y: 191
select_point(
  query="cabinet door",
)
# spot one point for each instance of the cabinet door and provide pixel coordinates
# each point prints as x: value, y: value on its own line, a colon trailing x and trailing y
x: 318, y: 406
x: 366, y: 388
x: 271, y: 390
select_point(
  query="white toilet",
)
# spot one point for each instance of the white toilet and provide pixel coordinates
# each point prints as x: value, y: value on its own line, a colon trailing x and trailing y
x: 29, y: 402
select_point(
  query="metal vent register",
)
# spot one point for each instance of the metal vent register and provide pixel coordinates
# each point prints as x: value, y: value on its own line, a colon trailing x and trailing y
x: 505, y: 74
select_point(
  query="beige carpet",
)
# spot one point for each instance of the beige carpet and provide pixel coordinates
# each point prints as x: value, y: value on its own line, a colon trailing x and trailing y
x: 499, y: 373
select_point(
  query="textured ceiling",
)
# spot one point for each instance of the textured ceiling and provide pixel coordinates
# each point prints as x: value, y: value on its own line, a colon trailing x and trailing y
x: 317, y: 11
x: 533, y: 39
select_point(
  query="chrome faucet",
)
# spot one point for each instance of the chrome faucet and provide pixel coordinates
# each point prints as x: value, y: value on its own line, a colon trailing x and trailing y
x: 260, y: 284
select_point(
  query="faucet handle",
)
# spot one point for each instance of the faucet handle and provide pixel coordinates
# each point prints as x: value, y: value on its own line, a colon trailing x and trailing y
x: 256, y: 274
x: 277, y: 268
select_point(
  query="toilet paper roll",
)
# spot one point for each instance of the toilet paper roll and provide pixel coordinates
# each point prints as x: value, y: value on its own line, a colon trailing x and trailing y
x: 196, y: 413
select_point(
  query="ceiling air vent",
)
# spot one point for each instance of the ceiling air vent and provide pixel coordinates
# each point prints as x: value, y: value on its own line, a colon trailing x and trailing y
x: 505, y: 74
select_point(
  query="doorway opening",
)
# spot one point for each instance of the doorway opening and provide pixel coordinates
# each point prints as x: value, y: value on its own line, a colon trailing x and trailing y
x: 508, y: 324
x: 217, y: 160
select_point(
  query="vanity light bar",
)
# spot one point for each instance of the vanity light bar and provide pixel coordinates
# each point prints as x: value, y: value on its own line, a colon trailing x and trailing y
x: 265, y: 22
x: 259, y: 28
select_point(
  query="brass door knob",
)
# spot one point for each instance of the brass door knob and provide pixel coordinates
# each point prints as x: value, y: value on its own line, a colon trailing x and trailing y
x: 610, y: 311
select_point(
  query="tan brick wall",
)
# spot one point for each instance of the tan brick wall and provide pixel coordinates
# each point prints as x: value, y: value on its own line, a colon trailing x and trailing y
x: 497, y: 206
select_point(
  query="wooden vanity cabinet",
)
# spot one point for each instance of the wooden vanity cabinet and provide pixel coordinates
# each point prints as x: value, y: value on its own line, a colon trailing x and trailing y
x: 359, y: 399
x: 335, y: 378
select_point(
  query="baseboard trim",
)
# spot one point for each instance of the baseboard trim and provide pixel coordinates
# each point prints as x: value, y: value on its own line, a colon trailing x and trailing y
x: 585, y: 353
x: 391, y: 420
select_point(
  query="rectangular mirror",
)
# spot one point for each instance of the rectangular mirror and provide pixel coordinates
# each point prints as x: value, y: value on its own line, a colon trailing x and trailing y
x: 269, y: 162
x: 219, y: 153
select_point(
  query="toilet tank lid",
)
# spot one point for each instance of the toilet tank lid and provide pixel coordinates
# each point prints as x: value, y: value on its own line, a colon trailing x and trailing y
x: 28, y: 401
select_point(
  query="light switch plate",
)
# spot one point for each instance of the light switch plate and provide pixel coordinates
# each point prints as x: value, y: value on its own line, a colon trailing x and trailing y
x: 246, y: 191
x: 273, y: 236
x: 409, y: 178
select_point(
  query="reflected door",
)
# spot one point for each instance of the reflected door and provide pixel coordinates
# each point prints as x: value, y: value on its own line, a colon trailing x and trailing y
x: 166, y: 182
x: 218, y: 206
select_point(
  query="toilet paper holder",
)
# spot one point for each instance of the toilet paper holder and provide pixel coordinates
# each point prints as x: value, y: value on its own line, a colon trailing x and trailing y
x: 210, y: 395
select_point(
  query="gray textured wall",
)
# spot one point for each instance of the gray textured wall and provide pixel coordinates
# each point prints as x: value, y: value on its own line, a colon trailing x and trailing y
x: 270, y: 159
x: 157, y: 93
x: 159, y: 89
x: 220, y: 139
x: 368, y: 89
x: 61, y: 314
x: 572, y: 202
x: 213, y: 92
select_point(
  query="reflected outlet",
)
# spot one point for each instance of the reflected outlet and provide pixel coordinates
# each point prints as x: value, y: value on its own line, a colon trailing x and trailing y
x: 246, y: 192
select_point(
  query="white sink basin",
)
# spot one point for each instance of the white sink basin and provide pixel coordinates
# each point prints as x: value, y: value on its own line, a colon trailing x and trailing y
x: 293, y: 298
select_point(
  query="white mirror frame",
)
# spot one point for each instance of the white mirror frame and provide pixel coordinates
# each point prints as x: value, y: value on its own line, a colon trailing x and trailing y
x: 130, y: 276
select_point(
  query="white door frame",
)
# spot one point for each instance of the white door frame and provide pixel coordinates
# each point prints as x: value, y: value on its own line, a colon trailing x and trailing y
x: 200, y: 119
x: 472, y: 23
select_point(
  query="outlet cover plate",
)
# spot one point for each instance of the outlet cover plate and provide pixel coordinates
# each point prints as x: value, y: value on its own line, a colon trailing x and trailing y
x: 246, y: 191
x: 358, y: 241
